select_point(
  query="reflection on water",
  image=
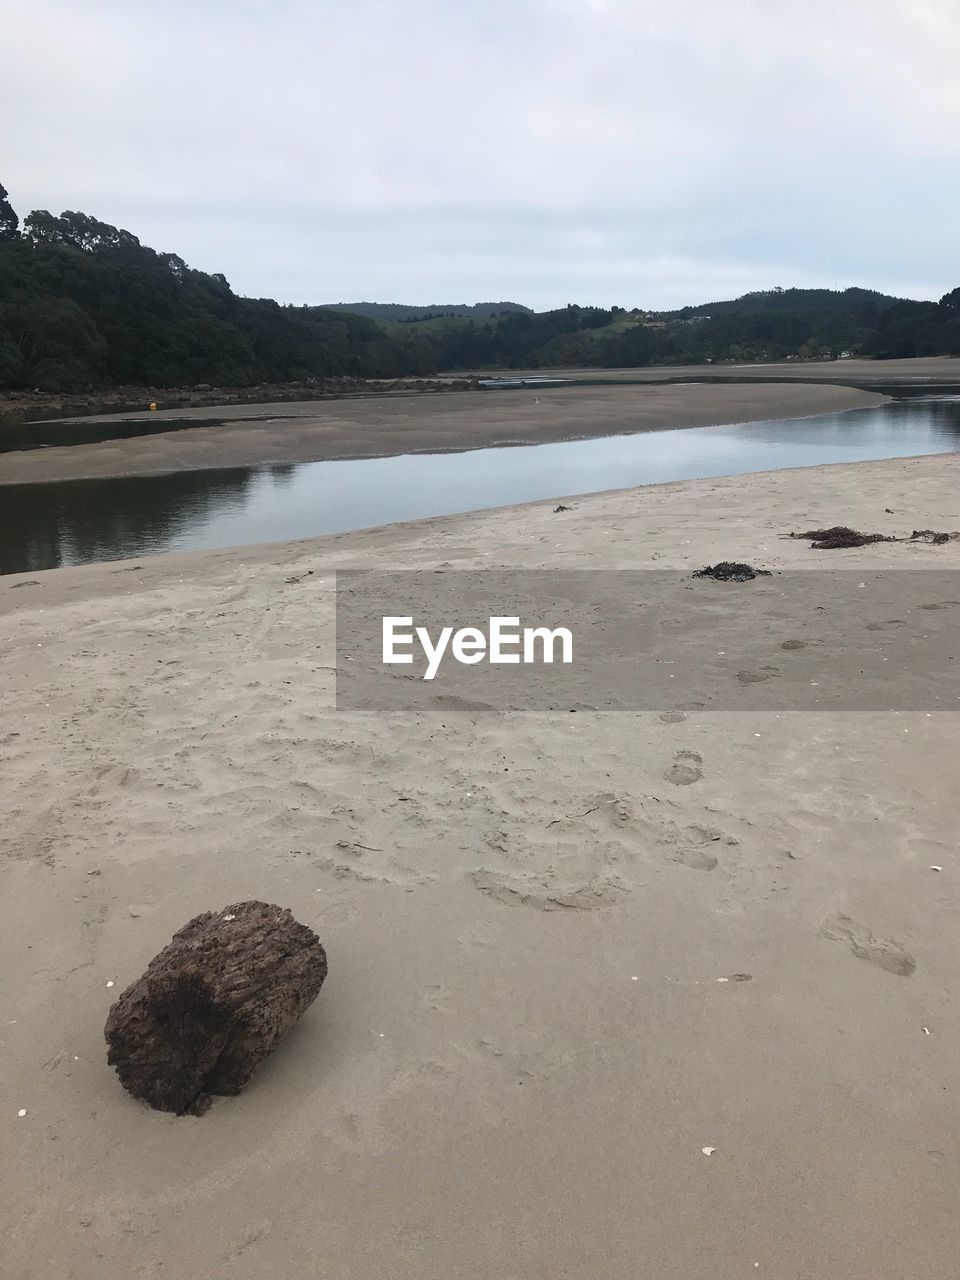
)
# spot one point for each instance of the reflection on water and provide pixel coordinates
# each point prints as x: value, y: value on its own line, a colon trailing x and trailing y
x: 74, y: 522
x: 44, y: 526
x: 47, y: 435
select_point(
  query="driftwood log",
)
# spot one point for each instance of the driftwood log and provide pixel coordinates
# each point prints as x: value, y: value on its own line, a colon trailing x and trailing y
x: 213, y: 1004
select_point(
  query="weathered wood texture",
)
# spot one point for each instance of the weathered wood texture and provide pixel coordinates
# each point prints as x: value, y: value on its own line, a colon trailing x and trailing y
x: 213, y: 1004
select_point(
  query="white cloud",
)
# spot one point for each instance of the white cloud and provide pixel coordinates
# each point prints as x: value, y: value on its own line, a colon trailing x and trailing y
x: 548, y: 150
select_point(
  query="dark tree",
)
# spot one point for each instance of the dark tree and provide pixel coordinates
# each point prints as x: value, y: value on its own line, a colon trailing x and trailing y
x: 84, y: 304
x: 9, y: 222
x: 213, y: 1004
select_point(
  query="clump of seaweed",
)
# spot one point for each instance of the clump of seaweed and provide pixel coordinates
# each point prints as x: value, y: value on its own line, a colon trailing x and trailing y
x: 731, y: 571
x: 934, y: 536
x: 839, y: 536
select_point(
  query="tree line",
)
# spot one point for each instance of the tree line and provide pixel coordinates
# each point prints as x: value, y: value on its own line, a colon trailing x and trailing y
x: 85, y: 305
x: 776, y: 325
x: 437, y: 310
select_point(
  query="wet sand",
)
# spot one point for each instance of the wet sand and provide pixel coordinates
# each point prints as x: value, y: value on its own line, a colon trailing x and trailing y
x: 504, y: 1075
x: 308, y: 432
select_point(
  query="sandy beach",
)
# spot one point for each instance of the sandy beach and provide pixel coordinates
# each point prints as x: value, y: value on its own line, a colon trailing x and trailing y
x: 503, y: 1077
x: 255, y: 435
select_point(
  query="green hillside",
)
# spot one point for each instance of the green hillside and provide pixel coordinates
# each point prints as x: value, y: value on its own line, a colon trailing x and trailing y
x: 84, y: 305
x: 440, y: 310
x: 778, y: 324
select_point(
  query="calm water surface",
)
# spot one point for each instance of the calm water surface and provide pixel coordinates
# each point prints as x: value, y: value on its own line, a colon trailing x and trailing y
x: 79, y: 521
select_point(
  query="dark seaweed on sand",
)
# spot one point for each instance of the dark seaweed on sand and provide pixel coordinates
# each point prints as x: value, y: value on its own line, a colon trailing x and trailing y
x: 934, y: 536
x: 838, y: 536
x: 731, y: 571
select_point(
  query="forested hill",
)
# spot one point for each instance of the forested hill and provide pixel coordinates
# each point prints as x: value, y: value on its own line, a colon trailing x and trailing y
x: 439, y: 310
x: 84, y: 305
x: 779, y: 324
x: 864, y: 304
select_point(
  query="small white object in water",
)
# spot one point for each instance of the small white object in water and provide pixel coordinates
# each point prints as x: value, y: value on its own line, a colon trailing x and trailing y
x: 22, y: 1112
x: 723, y: 979
x: 635, y: 977
x: 110, y: 983
x: 708, y: 1151
x: 936, y: 868
x: 926, y: 1031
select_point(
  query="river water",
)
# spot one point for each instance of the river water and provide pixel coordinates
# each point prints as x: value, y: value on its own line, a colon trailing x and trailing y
x: 43, y: 526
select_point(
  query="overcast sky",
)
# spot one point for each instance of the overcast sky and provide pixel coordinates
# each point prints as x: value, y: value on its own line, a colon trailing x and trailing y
x: 638, y: 152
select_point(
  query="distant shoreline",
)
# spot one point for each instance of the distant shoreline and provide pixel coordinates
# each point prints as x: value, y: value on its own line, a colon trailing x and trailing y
x: 19, y: 407
x: 380, y: 427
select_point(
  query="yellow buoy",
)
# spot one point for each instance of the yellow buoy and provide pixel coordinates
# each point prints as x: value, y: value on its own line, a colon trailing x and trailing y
x: 153, y: 404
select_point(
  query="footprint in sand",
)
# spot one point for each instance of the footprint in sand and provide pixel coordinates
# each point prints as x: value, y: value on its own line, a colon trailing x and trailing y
x: 755, y: 677
x: 885, y: 626
x: 885, y: 953
x: 685, y: 769
x: 673, y: 717
x: 698, y: 859
x: 792, y: 645
x: 922, y: 847
x: 693, y: 853
x: 549, y: 892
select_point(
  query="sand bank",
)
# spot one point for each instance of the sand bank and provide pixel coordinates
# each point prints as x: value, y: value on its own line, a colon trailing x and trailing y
x: 308, y: 432
x: 486, y: 1087
x: 933, y: 370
